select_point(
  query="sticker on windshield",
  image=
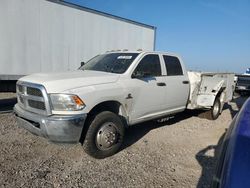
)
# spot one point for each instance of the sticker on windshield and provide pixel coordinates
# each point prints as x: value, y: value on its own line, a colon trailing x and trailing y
x: 124, y: 57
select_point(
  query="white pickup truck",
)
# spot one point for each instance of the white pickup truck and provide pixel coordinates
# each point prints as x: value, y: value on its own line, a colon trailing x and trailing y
x: 94, y: 105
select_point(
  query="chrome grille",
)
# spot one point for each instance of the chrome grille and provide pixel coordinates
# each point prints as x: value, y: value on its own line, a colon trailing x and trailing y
x: 21, y: 99
x: 243, y: 82
x: 34, y: 91
x: 20, y: 88
x: 33, y: 98
x: 37, y: 104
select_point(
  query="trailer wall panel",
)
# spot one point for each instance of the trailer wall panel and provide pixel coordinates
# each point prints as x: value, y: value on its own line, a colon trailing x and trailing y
x: 44, y: 36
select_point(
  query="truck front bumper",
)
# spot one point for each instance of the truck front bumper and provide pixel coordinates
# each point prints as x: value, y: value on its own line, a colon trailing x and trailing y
x: 242, y: 88
x: 56, y: 128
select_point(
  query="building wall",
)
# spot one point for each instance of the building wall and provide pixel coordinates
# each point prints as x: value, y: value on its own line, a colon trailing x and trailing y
x: 42, y: 36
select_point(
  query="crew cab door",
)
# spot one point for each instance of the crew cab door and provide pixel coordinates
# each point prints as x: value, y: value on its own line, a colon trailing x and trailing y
x: 147, y: 88
x: 177, y: 84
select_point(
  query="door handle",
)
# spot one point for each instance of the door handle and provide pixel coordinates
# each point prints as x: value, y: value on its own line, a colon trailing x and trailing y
x: 161, y: 84
x: 185, y: 82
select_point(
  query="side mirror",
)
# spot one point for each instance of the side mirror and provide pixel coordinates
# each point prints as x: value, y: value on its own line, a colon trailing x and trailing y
x: 82, y: 63
x: 138, y: 74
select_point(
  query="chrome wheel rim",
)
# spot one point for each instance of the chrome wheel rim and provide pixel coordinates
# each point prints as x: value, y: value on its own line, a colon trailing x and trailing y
x: 107, y: 136
x: 216, y: 109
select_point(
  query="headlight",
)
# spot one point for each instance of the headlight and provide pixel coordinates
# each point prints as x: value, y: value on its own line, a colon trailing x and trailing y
x: 66, y: 102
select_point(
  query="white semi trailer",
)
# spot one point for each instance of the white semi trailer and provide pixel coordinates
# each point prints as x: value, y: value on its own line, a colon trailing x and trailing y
x: 52, y: 35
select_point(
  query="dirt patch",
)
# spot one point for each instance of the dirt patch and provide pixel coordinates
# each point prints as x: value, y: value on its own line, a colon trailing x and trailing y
x: 181, y: 152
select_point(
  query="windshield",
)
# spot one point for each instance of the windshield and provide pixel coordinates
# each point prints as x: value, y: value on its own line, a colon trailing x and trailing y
x: 111, y: 62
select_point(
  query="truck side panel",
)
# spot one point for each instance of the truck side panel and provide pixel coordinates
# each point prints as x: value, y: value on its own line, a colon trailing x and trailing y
x: 206, y: 86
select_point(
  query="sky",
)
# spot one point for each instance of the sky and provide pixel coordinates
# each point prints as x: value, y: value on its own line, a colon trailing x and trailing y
x: 209, y: 35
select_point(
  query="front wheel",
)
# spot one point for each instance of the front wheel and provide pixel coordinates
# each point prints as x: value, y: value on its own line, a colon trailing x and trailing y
x: 104, y: 136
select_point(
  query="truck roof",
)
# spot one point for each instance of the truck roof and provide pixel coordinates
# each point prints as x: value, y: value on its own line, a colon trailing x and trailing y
x: 142, y: 51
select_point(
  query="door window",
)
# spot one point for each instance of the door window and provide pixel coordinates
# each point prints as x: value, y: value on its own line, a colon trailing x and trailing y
x: 173, y: 65
x: 149, y: 66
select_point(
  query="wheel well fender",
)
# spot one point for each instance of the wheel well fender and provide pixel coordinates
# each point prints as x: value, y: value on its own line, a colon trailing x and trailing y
x: 112, y: 106
x: 221, y: 95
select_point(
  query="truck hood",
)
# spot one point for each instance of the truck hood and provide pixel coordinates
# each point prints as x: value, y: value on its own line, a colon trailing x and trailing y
x: 63, y: 81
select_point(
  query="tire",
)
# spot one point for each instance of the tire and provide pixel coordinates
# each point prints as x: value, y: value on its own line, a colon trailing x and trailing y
x: 104, y: 136
x: 215, y: 111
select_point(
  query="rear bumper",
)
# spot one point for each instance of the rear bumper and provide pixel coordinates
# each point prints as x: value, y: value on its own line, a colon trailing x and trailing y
x: 55, y: 128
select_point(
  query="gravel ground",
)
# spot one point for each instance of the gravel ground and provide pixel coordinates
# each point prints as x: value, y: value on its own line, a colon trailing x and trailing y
x: 181, y: 152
